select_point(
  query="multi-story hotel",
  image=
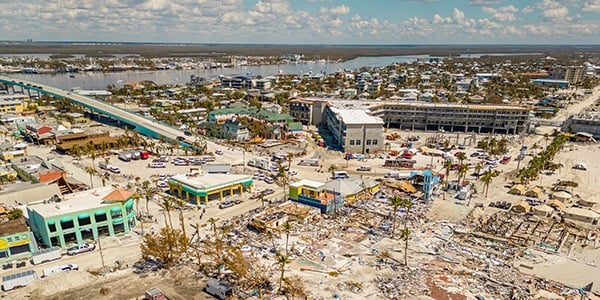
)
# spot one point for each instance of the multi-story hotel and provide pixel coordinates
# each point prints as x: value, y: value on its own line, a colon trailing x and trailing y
x: 453, y: 117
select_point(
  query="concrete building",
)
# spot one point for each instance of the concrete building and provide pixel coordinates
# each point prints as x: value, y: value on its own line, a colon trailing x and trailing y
x: 588, y: 122
x: 309, y: 111
x: 354, y: 130
x: 234, y: 130
x: 353, y: 188
x: 16, y: 241
x: 453, y: 117
x: 198, y: 188
x: 316, y: 194
x: 572, y: 74
x: 13, y: 103
x: 36, y: 169
x: 82, y: 216
x: 563, y: 84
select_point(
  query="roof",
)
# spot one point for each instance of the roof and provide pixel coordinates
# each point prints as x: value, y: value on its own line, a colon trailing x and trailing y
x: 554, y: 203
x: 80, y: 201
x: 293, y: 126
x: 562, y: 195
x: 522, y: 206
x: 517, y: 189
x: 208, y: 181
x: 582, y: 212
x: 12, y: 227
x: 119, y: 195
x: 350, y: 186
x: 535, y: 192
x: 356, y: 116
x: 543, y: 208
x: 308, y: 183
x: 27, y: 193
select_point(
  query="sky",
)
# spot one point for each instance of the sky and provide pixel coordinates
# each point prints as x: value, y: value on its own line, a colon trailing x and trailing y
x: 304, y: 21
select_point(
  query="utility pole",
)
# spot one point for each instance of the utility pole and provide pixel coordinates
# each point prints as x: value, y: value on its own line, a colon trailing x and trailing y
x: 101, y: 253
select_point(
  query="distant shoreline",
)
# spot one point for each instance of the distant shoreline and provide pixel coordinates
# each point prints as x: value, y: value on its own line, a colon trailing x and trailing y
x: 333, y: 52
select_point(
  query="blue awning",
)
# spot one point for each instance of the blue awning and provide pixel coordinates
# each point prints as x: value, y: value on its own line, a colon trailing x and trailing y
x: 99, y: 213
x: 115, y: 209
x: 83, y: 216
x: 50, y: 222
x: 129, y: 204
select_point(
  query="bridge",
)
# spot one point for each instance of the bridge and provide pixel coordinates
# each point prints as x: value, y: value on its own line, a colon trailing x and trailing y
x: 140, y: 124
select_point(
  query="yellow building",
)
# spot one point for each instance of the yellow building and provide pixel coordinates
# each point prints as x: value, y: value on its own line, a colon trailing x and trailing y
x: 13, y: 103
x: 198, y: 188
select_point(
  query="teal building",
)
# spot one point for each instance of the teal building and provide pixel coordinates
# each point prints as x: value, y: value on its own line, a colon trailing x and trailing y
x: 16, y: 241
x: 82, y: 216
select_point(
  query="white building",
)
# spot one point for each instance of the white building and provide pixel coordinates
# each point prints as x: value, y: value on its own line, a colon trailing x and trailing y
x: 354, y: 130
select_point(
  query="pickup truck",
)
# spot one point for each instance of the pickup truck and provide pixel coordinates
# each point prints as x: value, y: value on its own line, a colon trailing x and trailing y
x: 81, y: 248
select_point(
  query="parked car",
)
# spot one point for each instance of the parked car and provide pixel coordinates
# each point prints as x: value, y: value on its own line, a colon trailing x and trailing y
x: 269, y: 180
x: 363, y: 168
x: 157, y: 165
x: 268, y: 192
x: 293, y: 173
x: 114, y: 169
x: 81, y: 248
x: 226, y: 204
x: 162, y: 184
x: 219, y: 152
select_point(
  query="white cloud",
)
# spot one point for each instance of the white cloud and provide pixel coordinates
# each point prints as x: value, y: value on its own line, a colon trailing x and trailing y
x: 484, y: 2
x: 504, y: 14
x: 591, y: 6
x: 336, y: 10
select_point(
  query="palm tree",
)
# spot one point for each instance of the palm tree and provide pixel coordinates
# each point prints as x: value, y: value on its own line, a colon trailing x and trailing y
x: 332, y: 169
x: 148, y: 193
x: 283, y: 177
x: 407, y: 204
x: 395, y: 204
x: 180, y: 204
x: 461, y: 157
x: 478, y: 168
x: 91, y: 172
x: 261, y: 198
x: 462, y: 172
x: 287, y: 227
x: 486, y: 178
x: 136, y: 197
x: 282, y: 261
x: 447, y: 166
x: 213, y: 224
x: 167, y: 205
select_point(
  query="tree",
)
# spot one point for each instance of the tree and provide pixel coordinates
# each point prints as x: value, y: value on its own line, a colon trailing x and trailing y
x: 332, y: 169
x: 91, y: 172
x: 167, y: 205
x: 478, y: 168
x: 283, y: 177
x: 282, y: 261
x: 148, y: 193
x: 407, y: 205
x: 462, y: 172
x: 486, y: 178
x: 287, y: 228
x: 15, y: 214
x: 136, y: 197
x: 447, y: 166
x: 395, y: 204
x: 167, y: 246
x: 213, y: 224
x: 261, y: 198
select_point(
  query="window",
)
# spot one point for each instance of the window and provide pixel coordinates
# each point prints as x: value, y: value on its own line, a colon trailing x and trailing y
x: 358, y: 142
x: 67, y: 225
x: 375, y: 142
x: 100, y: 217
x: 84, y: 221
x: 116, y: 214
x: 351, y: 142
x: 368, y: 142
x: 52, y: 227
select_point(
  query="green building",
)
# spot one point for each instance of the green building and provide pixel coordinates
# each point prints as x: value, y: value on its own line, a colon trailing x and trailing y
x: 82, y: 216
x: 16, y: 241
x: 198, y: 188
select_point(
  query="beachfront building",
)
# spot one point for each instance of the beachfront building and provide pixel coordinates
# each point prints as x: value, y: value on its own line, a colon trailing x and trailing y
x: 316, y: 194
x: 354, y: 130
x: 453, y: 117
x: 199, y: 188
x: 588, y: 122
x: 13, y: 103
x: 16, y: 240
x: 82, y: 216
x: 36, y: 169
x: 554, y: 83
x: 353, y: 188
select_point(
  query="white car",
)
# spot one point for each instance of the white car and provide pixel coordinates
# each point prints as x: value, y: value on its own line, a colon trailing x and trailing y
x: 292, y: 173
x: 269, y: 180
x: 114, y: 169
x: 162, y: 184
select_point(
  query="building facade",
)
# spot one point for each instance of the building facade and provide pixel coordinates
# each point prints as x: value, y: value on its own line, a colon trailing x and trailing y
x: 354, y: 130
x: 16, y: 240
x: 198, y: 188
x: 588, y: 122
x: 82, y: 216
x: 308, y: 111
x: 316, y: 194
x: 453, y: 117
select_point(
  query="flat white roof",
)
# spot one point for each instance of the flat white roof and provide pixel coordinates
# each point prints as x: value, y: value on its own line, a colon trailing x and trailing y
x: 356, y: 116
x: 209, y: 181
x: 308, y: 183
x: 75, y: 202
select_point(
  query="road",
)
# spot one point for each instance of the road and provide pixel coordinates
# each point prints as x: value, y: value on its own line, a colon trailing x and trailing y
x: 162, y: 130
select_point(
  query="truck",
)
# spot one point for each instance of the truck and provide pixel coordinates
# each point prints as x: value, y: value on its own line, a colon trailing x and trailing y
x: 81, y: 248
x: 103, y: 165
x: 218, y: 289
x: 45, y: 255
x: 155, y: 294
x: 58, y: 269
x: 125, y: 156
x: 260, y: 163
x: 17, y: 280
x: 309, y: 162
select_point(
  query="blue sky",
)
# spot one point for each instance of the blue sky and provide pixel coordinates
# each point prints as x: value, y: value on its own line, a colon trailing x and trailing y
x: 305, y: 21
